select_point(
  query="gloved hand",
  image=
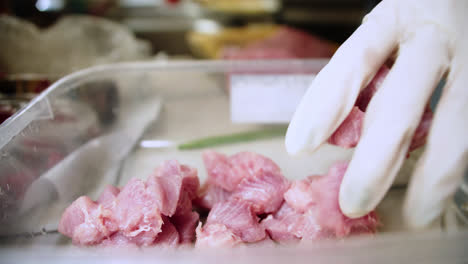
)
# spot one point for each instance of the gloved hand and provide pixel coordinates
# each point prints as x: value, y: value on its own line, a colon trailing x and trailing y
x: 429, y: 38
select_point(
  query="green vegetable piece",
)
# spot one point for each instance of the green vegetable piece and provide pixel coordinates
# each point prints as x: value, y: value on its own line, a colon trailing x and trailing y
x: 234, y: 138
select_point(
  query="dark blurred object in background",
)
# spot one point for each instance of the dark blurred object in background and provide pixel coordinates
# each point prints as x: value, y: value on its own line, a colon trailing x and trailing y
x: 32, y: 58
x: 334, y: 20
x: 27, y: 9
x: 44, y: 13
x: 166, y: 22
x: 213, y: 29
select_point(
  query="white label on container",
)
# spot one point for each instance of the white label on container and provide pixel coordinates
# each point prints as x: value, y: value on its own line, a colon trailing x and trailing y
x: 262, y: 98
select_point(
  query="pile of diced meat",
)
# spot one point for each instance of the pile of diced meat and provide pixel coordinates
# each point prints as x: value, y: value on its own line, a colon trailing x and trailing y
x: 248, y: 199
x: 142, y: 213
x: 251, y: 201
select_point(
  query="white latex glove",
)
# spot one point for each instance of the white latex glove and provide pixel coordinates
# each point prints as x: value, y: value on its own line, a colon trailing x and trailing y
x: 429, y: 39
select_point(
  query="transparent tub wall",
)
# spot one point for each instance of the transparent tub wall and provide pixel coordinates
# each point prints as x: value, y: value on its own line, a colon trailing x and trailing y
x: 84, y: 133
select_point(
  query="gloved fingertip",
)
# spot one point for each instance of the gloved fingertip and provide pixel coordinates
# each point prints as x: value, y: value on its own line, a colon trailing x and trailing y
x: 354, y: 204
x: 293, y: 144
x: 300, y: 138
x: 419, y: 215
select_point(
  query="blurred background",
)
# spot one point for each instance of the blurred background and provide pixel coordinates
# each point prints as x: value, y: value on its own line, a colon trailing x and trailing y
x: 43, y: 40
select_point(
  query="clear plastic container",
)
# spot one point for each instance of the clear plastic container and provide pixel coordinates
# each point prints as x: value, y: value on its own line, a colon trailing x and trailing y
x: 86, y: 131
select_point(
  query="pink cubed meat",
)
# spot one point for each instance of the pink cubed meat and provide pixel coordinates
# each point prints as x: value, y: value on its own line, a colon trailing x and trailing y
x: 171, y: 181
x: 282, y: 230
x: 320, y: 200
x: 159, y: 211
x: 246, y: 176
x: 237, y: 215
x: 138, y: 214
x: 108, y: 196
x: 348, y: 133
x: 297, y: 197
x: 118, y: 240
x: 210, y: 194
x: 169, y: 236
x: 420, y: 135
x: 256, y: 187
x: 264, y: 191
x: 289, y: 226
x: 227, y: 172
x: 216, y: 236
x: 367, y: 93
x: 325, y: 192
x: 84, y: 222
x: 185, y: 225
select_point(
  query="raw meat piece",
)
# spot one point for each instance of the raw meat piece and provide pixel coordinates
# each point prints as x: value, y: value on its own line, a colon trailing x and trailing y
x: 249, y: 176
x: 220, y: 171
x: 189, y: 190
x: 257, y: 187
x: 280, y: 230
x: 249, y: 164
x: 228, y: 172
x: 420, y: 135
x: 136, y: 213
x: 216, y: 236
x: 264, y: 191
x: 108, y: 196
x: 83, y: 222
x: 238, y: 216
x: 368, y: 92
x: 323, y: 191
x: 297, y: 197
x: 190, y: 181
x: 284, y: 211
x: 288, y: 226
x: 211, y: 194
x: 185, y: 225
x: 168, y: 236
x: 184, y: 205
x: 118, y: 240
x: 308, y: 228
x: 265, y: 243
x: 348, y: 133
x: 286, y: 43
x: 167, y: 183
x: 311, y: 211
